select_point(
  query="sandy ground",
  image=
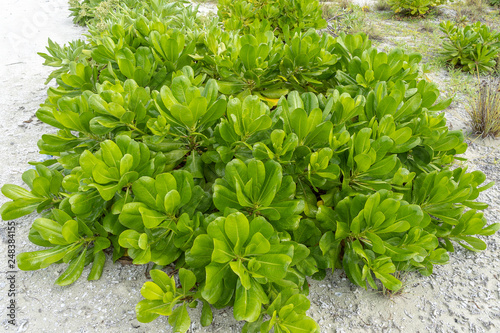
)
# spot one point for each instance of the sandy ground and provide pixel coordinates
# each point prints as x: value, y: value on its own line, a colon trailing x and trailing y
x: 463, y: 296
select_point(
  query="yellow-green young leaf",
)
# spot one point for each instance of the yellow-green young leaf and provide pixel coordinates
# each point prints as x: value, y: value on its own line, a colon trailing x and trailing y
x: 183, y: 114
x: 143, y: 241
x: 111, y: 153
x: 172, y: 201
x: 257, y: 245
x: 165, y: 282
x: 129, y: 239
x: 126, y: 164
x: 74, y: 270
x: 142, y: 310
x: 237, y: 228
x: 70, y: 231
x: 198, y: 107
x: 272, y: 266
x: 222, y: 252
x: 305, y: 325
x: 101, y: 243
x: 179, y: 319
x: 151, y: 291
x: 476, y: 244
x: 377, y: 243
x: 215, y: 274
x: 241, y: 271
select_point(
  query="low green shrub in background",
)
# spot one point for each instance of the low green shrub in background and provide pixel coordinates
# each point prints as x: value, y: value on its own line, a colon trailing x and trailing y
x: 473, y: 47
x: 249, y: 163
x: 414, y: 7
x: 275, y: 15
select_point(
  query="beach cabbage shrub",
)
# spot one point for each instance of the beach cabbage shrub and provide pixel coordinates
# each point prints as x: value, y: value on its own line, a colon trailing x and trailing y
x: 247, y: 164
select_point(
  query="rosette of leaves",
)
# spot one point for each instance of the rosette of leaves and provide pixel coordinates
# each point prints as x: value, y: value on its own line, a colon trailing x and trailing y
x: 447, y: 198
x: 183, y: 127
x: 259, y: 189
x: 115, y: 167
x: 241, y: 259
x: 309, y: 62
x: 45, y: 192
x: 367, y: 68
x: 164, y: 217
x: 162, y: 297
x: 473, y: 48
x: 71, y: 241
x: 63, y: 56
x: 380, y: 232
x: 246, y: 64
x: 150, y: 63
x: 244, y: 124
x: 408, y: 116
x: 114, y: 109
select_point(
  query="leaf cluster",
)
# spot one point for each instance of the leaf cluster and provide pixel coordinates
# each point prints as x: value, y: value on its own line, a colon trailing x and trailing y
x: 473, y: 48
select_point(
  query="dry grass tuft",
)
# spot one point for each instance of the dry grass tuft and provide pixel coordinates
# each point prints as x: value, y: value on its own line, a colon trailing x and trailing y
x: 382, y: 5
x: 484, y: 109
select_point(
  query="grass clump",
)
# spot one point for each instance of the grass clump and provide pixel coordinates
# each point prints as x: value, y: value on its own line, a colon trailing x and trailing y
x: 484, y: 109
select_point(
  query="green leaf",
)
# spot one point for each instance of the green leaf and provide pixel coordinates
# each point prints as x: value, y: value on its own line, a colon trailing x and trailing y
x: 30, y: 261
x: 206, y: 315
x: 247, y: 305
x: 152, y: 291
x: 201, y: 253
x: 143, y: 241
x: 97, y: 266
x: 15, y: 209
x: 222, y: 252
x: 271, y: 266
x: 476, y: 244
x: 215, y: 274
x: 74, y: 270
x: 151, y: 218
x: 236, y: 227
x: 298, y: 121
x: 240, y: 270
x: 70, y: 231
x: 172, y: 201
x: 258, y: 245
x: 305, y: 325
x: 389, y: 281
x: 142, y: 310
x: 50, y: 230
x: 15, y: 192
x: 165, y: 282
x: 187, y: 279
x: 179, y: 319
x: 129, y: 239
